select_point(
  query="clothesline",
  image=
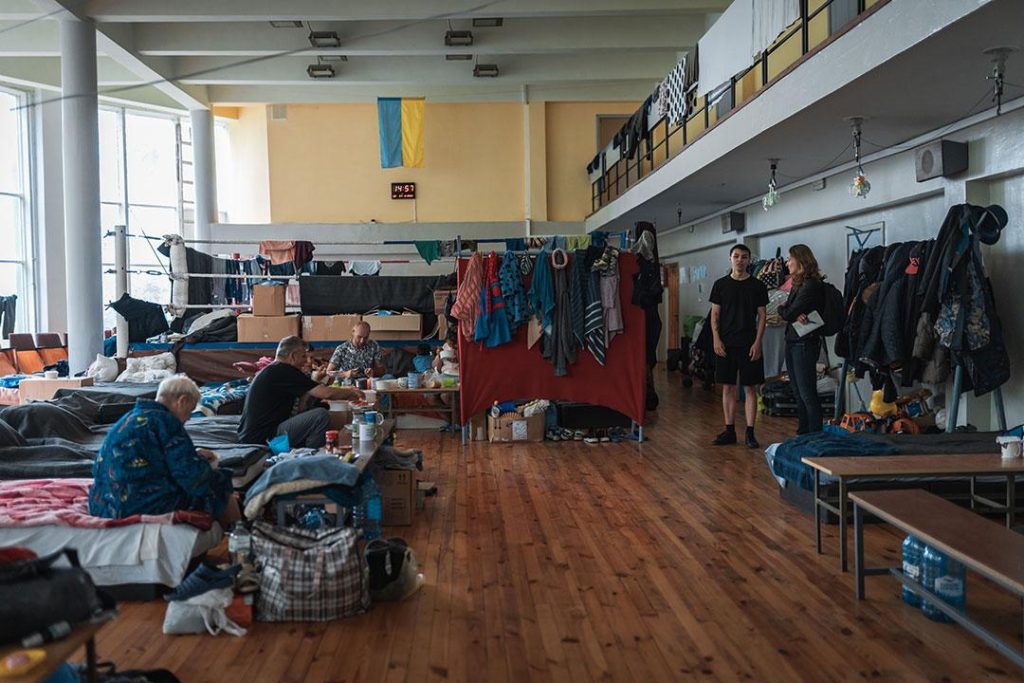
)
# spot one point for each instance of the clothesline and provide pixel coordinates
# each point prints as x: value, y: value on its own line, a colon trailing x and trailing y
x: 478, y: 240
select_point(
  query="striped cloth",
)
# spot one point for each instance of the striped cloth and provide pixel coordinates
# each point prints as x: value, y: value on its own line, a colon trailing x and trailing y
x: 467, y: 299
x: 578, y: 297
x: 594, y: 318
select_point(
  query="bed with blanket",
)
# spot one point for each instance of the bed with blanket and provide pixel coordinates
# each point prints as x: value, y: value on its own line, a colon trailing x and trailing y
x: 52, y: 514
x: 796, y: 480
x: 60, y: 438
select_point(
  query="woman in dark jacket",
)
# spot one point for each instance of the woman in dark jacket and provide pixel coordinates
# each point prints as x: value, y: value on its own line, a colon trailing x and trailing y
x: 806, y: 296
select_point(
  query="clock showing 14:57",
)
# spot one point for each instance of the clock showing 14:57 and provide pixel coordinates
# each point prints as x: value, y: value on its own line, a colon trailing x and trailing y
x: 403, y: 190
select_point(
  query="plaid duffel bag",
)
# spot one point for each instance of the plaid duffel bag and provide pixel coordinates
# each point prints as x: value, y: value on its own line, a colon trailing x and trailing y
x: 309, y: 575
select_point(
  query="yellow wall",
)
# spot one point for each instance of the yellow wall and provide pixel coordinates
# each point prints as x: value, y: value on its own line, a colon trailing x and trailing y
x: 325, y: 165
x: 250, y: 200
x: 571, y: 144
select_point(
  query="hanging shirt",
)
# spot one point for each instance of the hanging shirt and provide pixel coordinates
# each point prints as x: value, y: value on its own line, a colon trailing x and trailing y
x: 492, y: 323
x: 364, y: 267
x: 517, y: 308
x: 278, y: 251
x: 467, y: 298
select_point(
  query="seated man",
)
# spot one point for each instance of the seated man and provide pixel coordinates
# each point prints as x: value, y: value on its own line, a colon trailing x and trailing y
x: 357, y: 358
x: 148, y: 465
x: 278, y: 400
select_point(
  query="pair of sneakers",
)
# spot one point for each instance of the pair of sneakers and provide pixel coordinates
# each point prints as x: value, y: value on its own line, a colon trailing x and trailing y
x: 729, y: 437
x: 203, y: 579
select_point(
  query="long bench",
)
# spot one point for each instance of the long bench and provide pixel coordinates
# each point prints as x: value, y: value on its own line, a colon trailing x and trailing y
x: 982, y: 546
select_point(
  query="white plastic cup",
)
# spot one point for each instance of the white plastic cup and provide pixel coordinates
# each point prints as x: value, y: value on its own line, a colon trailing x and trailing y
x: 50, y: 374
x: 1010, y: 447
x: 371, y: 397
x: 367, y: 432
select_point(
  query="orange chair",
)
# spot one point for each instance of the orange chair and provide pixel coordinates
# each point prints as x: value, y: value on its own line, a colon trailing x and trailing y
x: 52, y: 355
x: 29, y: 361
x: 7, y: 363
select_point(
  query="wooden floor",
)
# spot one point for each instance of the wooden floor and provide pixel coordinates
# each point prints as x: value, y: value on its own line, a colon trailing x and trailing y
x: 566, y: 561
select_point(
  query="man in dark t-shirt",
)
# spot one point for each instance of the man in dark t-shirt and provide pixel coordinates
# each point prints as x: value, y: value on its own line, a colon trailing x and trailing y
x: 277, y: 396
x: 738, y: 303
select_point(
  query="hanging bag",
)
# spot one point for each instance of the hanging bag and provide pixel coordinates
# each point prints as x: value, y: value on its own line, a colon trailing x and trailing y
x: 309, y: 574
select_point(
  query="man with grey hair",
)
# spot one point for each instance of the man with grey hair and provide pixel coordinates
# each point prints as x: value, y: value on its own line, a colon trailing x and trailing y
x: 359, y: 357
x: 148, y: 464
x: 278, y: 401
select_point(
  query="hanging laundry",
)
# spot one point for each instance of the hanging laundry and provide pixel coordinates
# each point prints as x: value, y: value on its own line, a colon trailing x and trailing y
x: 329, y: 267
x: 517, y: 308
x: 595, y: 318
x: 558, y: 347
x: 278, y: 251
x: 429, y: 250
x: 515, y: 244
x: 492, y: 323
x: 303, y: 253
x: 574, y: 242
x: 8, y: 310
x: 672, y: 100
x: 446, y: 248
x: 542, y: 292
x: 608, y: 268
x: 467, y: 297
x: 218, y: 285
x: 535, y: 242
x: 364, y: 267
x: 578, y: 297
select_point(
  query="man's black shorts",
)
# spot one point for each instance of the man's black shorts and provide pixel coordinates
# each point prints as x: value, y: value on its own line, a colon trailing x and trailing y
x: 737, y: 363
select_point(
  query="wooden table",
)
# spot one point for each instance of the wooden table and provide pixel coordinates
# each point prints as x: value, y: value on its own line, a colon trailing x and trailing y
x: 982, y: 546
x: 453, y: 404
x: 849, y: 469
x: 58, y: 651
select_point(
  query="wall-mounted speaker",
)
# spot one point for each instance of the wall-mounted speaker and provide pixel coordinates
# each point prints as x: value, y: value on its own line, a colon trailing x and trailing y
x: 941, y: 158
x: 734, y: 222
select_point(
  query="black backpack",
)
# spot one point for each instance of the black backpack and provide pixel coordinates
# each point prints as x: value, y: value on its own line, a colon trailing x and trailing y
x: 834, y: 312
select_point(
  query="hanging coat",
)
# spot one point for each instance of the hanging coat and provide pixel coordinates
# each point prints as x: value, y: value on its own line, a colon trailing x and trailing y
x: 492, y: 323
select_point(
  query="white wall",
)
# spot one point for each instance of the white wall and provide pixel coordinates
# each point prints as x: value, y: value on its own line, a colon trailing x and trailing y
x: 909, y: 211
x: 48, y: 185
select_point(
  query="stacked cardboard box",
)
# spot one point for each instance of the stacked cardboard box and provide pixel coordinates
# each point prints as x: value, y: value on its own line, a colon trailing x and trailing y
x: 267, y: 323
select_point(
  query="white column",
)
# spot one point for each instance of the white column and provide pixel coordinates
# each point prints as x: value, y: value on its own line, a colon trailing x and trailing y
x: 49, y: 205
x: 205, y: 166
x: 81, y: 192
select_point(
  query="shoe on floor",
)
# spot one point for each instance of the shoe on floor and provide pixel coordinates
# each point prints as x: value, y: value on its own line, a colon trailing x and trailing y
x: 204, y: 578
x: 751, y: 441
x: 725, y: 438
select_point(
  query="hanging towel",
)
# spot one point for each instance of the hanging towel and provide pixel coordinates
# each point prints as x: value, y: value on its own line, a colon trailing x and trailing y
x: 542, y: 292
x: 467, y: 298
x: 558, y: 347
x: 491, y: 323
x: 595, y: 317
x: 726, y: 47
x: 400, y: 125
x: 573, y: 242
x: 303, y: 253
x: 364, y: 267
x: 578, y: 298
x: 278, y: 251
x: 429, y: 250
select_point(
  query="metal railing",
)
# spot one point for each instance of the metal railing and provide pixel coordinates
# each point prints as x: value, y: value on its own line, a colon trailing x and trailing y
x: 664, y: 140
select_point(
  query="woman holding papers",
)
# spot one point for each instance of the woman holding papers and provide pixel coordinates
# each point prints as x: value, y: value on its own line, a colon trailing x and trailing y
x: 802, y: 311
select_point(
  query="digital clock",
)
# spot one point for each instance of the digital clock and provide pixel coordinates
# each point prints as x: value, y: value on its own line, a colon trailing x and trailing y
x: 403, y: 190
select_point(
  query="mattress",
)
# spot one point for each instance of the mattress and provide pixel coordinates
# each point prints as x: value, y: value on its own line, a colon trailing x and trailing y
x: 134, y: 554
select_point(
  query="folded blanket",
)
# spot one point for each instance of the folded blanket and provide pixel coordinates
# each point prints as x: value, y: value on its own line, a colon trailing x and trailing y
x: 65, y: 502
x: 787, y: 462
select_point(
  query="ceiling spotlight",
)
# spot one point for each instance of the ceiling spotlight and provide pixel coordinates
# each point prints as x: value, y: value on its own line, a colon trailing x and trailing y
x: 286, y: 24
x: 319, y: 70
x: 487, y: 22
x: 322, y: 39
x: 331, y: 58
x: 485, y: 70
x: 458, y: 38
x: 458, y: 58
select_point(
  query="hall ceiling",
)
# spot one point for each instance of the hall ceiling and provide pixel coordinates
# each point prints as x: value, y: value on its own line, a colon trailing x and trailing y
x: 194, y: 52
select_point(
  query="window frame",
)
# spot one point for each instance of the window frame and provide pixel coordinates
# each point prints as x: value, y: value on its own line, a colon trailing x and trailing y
x: 26, y: 261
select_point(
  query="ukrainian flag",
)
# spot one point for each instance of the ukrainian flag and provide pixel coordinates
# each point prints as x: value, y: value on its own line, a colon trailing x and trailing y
x: 400, y: 121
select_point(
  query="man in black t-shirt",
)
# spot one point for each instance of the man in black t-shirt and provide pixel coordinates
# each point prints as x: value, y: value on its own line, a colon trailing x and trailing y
x: 738, y: 316
x: 277, y: 396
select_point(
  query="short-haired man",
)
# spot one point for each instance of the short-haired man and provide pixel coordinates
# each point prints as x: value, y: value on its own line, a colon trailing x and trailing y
x: 738, y: 303
x: 148, y: 464
x: 277, y: 400
x: 359, y: 357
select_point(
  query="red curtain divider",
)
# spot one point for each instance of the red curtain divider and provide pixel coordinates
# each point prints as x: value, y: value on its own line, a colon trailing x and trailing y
x: 512, y: 371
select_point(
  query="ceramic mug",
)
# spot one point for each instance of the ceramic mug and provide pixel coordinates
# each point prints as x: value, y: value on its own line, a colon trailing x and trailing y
x: 367, y: 431
x: 372, y: 417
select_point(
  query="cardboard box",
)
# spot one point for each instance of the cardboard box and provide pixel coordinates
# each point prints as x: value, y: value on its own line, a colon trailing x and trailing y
x: 268, y: 300
x: 264, y: 328
x: 328, y: 327
x: 440, y: 296
x: 398, y: 496
x: 404, y: 326
x: 478, y: 427
x: 515, y: 428
x: 43, y: 389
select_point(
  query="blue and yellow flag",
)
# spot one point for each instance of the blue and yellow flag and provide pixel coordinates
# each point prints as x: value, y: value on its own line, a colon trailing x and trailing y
x: 401, y: 131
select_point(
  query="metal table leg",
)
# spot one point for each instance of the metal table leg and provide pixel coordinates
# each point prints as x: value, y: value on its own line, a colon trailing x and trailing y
x: 843, y: 507
x: 90, y: 660
x: 817, y: 510
x: 858, y: 550
x: 1011, y: 499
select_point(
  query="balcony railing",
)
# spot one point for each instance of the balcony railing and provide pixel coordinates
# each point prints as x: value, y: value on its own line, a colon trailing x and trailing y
x: 820, y: 22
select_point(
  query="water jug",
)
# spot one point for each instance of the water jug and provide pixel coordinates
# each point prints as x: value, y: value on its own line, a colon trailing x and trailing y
x: 945, y: 577
x: 368, y: 513
x: 912, y: 550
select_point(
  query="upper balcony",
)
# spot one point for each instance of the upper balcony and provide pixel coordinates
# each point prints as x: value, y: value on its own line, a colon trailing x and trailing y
x: 908, y: 66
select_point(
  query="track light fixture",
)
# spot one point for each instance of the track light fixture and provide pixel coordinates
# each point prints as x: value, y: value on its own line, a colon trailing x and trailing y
x: 485, y: 71
x: 320, y: 70
x: 487, y: 22
x: 860, y: 187
x: 322, y: 39
x: 458, y: 38
x: 771, y: 198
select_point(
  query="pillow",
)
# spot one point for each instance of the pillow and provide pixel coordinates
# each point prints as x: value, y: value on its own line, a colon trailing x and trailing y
x: 9, y: 436
x: 103, y: 369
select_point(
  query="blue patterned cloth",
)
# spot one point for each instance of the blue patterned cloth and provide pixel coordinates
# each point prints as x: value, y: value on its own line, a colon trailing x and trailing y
x: 147, y: 465
x: 517, y: 308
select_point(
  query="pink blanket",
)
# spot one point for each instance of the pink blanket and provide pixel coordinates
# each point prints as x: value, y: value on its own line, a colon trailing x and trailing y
x: 65, y: 502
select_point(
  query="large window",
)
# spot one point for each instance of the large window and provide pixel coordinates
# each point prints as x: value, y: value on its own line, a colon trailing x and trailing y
x: 140, y: 186
x: 15, y: 214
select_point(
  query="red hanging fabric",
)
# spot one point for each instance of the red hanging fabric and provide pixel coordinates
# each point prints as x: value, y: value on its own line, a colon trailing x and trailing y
x: 512, y: 371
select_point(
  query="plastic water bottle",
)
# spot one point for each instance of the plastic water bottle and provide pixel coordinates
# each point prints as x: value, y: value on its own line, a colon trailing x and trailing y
x: 946, y: 578
x: 368, y: 513
x: 239, y: 544
x: 912, y: 551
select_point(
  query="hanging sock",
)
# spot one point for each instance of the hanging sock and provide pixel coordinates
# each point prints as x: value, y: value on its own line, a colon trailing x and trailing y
x: 429, y: 250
